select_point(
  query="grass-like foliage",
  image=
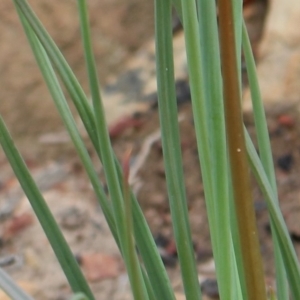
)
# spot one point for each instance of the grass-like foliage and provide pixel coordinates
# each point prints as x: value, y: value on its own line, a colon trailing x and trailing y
x: 214, y: 43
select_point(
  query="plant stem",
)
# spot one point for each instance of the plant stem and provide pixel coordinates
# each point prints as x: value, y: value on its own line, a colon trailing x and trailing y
x: 252, y: 262
x: 265, y: 153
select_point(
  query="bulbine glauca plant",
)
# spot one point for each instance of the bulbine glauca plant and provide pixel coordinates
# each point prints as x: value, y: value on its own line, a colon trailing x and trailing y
x: 215, y: 38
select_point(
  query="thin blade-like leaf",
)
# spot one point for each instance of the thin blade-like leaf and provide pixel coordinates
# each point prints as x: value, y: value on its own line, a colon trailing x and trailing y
x: 46, y: 219
x: 286, y: 247
x: 112, y: 179
x: 265, y: 153
x: 144, y: 239
x: 171, y: 148
x: 9, y: 286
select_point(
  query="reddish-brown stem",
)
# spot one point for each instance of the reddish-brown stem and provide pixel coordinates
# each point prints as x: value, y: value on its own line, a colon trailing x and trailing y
x: 251, y: 257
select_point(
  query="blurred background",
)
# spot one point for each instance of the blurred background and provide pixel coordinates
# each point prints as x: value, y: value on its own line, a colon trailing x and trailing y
x: 119, y: 28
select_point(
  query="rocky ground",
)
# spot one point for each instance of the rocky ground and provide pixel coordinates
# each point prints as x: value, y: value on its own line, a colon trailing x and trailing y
x: 124, y: 48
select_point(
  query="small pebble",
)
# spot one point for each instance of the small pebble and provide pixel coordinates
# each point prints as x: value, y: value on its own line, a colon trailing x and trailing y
x: 73, y: 218
x: 209, y: 287
x: 167, y: 250
x: 295, y: 237
x: 286, y: 121
x: 285, y: 162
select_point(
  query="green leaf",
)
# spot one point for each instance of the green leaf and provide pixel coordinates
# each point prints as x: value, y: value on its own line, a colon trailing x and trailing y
x: 171, y: 148
x: 285, y: 244
x: 119, y: 209
x: 9, y: 286
x: 46, y: 219
x: 265, y: 153
x: 145, y: 243
x: 79, y: 296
